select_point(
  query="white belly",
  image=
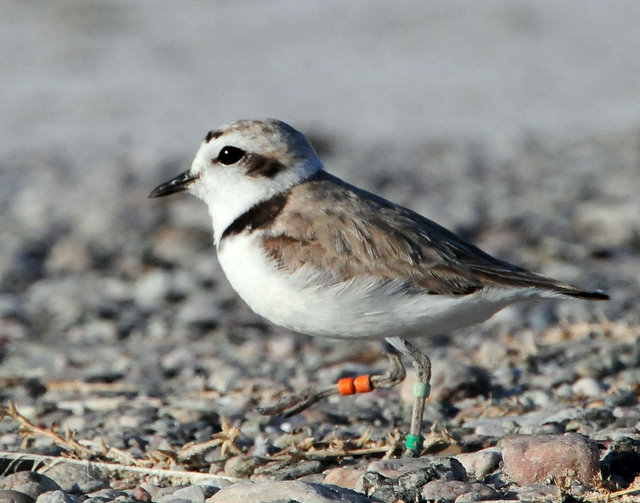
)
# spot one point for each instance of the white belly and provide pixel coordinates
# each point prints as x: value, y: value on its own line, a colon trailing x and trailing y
x: 309, y: 302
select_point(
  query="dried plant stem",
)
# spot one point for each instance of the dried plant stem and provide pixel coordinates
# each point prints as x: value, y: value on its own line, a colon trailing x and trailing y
x: 50, y: 461
x: 28, y: 430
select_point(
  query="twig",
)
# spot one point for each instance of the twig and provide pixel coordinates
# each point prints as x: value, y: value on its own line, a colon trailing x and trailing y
x: 27, y: 428
x: 615, y: 494
x: 50, y: 461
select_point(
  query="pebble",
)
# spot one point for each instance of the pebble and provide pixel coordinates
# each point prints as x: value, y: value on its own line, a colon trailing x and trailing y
x: 587, y: 387
x: 621, y: 460
x: 278, y: 492
x: 150, y: 289
x: 202, y: 311
x: 445, y: 491
x: 189, y: 494
x: 171, y: 245
x: 68, y: 256
x: 481, y: 463
x: 56, y: 497
x: 538, y: 458
x: 107, y: 494
x: 77, y: 479
x: 141, y: 494
x: 534, y: 493
x: 495, y: 428
x: 9, y: 496
x: 620, y: 400
x: 453, y: 381
x: 278, y: 472
x: 242, y: 467
x: 32, y: 484
x: 438, y: 467
x: 343, y: 476
x: 405, y: 485
x: 535, y: 399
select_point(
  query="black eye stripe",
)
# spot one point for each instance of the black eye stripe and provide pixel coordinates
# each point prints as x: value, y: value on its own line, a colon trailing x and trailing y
x: 267, y: 167
x: 230, y: 155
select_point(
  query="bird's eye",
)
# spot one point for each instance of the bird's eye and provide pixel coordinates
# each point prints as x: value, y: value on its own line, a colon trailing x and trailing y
x: 230, y: 155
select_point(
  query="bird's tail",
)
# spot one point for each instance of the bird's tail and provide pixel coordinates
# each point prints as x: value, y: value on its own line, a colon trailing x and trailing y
x: 583, y: 294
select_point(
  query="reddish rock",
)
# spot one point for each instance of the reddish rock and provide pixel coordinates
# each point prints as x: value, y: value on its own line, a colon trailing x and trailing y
x: 141, y: 494
x: 536, y: 458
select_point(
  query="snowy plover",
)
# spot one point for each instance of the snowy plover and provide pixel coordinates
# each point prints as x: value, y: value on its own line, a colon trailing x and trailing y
x: 314, y: 254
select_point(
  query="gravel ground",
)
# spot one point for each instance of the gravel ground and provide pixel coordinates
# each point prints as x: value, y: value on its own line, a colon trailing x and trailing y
x: 122, y: 343
x: 130, y: 371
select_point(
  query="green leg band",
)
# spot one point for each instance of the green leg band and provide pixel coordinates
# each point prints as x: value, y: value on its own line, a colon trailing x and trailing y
x: 414, y: 442
x: 421, y: 389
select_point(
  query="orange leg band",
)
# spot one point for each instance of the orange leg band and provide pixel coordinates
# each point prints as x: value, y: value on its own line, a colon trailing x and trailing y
x: 362, y: 384
x: 350, y: 386
x: 346, y: 386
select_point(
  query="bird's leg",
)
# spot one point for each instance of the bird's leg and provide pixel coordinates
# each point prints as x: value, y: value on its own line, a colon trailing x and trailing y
x: 394, y: 375
x: 294, y: 403
x: 297, y: 402
x: 421, y: 390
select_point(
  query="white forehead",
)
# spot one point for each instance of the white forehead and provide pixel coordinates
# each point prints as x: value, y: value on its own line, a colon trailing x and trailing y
x: 267, y: 137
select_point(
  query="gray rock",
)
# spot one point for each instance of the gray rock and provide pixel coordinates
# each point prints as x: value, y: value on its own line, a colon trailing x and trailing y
x: 621, y: 399
x: 621, y: 461
x: 600, y: 365
x: 77, y: 479
x: 481, y: 463
x: 587, y: 387
x: 190, y: 494
x: 441, y: 467
x: 277, y: 492
x: 107, y: 494
x: 495, y: 428
x: 453, y: 381
x: 242, y: 466
x: 56, y: 497
x: 544, y: 429
x: 150, y: 289
x: 533, y: 493
x: 11, y: 306
x: 201, y: 310
x: 535, y: 399
x: 8, y: 496
x: 30, y: 483
x: 158, y: 493
x: 212, y: 486
x: 445, y: 491
x: 407, y: 485
x: 300, y: 469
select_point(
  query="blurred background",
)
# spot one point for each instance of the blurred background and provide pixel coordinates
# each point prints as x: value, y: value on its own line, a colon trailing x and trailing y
x: 85, y: 79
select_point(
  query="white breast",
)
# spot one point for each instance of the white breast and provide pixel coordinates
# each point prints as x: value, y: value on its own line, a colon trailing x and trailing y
x: 309, y: 302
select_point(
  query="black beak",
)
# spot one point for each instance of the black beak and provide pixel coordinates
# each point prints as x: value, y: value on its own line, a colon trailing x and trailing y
x: 176, y: 184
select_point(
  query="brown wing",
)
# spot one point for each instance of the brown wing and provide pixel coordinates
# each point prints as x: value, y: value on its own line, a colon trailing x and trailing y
x: 333, y: 226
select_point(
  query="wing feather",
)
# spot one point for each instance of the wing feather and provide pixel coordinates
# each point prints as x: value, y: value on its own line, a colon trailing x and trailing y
x: 343, y: 230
